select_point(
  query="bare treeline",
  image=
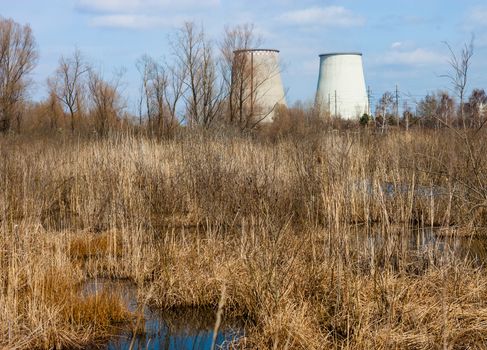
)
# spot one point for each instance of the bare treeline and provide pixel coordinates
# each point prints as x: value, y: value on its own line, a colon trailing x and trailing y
x: 18, y: 57
x: 192, y: 85
x: 199, y: 83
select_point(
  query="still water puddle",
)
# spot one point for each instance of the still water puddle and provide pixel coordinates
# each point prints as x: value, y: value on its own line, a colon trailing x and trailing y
x: 191, y: 329
x: 442, y: 241
x: 185, y: 329
x: 181, y: 329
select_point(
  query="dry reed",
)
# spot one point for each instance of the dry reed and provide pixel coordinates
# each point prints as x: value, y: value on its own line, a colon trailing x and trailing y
x: 308, y: 237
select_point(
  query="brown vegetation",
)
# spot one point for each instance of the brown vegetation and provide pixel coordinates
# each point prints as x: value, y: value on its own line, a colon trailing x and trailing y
x: 307, y: 236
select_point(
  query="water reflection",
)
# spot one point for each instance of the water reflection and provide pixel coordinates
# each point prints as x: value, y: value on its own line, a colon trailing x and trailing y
x: 421, y: 240
x: 181, y: 329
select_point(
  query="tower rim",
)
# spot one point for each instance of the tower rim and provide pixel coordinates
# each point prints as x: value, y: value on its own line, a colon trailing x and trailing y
x: 255, y: 50
x: 341, y: 54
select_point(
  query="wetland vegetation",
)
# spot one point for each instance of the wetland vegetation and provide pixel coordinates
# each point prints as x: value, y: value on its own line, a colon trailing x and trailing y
x: 273, y: 232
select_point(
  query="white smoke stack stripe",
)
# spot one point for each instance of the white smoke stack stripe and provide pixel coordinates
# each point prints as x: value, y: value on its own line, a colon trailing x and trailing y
x: 341, y: 85
x: 264, y: 84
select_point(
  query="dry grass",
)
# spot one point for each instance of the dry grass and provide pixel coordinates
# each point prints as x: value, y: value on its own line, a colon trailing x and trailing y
x: 42, y: 301
x: 307, y: 237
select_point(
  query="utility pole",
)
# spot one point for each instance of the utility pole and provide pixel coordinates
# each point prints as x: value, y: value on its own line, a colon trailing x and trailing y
x: 336, y: 114
x: 251, y: 83
x: 329, y: 104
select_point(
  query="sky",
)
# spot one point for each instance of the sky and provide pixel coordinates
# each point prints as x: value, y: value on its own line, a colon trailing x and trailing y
x: 402, y: 41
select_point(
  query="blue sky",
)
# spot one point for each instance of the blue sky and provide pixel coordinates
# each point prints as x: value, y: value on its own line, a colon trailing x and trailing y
x: 401, y: 41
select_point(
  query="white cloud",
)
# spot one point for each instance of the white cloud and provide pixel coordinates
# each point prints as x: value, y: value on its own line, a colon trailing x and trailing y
x: 134, y: 21
x: 478, y: 16
x: 397, y: 45
x: 416, y: 57
x: 327, y: 16
x: 130, y: 6
x: 403, y: 45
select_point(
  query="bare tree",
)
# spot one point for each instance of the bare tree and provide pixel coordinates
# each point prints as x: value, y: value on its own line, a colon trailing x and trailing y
x: 156, y: 95
x: 204, y: 95
x: 162, y: 88
x: 385, y: 109
x: 407, y: 115
x: 236, y: 69
x: 427, y: 109
x: 470, y: 142
x: 460, y: 65
x: 54, y: 110
x: 246, y: 76
x: 140, y: 102
x: 68, y: 84
x: 105, y: 100
x: 475, y: 108
x: 144, y: 68
x: 18, y: 57
x: 175, y: 92
x: 446, y: 108
x: 436, y: 110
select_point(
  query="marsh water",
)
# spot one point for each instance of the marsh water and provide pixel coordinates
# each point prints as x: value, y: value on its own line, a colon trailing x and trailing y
x: 184, y: 329
x: 420, y: 240
x: 181, y: 329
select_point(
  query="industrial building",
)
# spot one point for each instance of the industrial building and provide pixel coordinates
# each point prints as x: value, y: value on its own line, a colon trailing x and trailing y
x: 257, y: 83
x: 341, y: 90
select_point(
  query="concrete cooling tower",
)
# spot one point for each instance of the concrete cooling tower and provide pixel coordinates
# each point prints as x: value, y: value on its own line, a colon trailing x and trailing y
x: 257, y: 73
x: 341, y: 85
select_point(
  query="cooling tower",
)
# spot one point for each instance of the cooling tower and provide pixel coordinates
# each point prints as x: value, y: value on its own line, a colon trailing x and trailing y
x: 341, y: 85
x: 256, y: 77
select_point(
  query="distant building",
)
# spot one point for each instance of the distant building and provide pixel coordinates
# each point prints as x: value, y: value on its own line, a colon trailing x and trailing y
x: 341, y: 90
x: 256, y: 78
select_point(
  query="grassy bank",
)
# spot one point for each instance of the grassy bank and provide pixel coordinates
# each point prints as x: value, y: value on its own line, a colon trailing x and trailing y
x: 282, y: 232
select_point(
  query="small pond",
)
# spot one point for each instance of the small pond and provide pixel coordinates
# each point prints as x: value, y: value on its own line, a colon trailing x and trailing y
x: 181, y: 329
